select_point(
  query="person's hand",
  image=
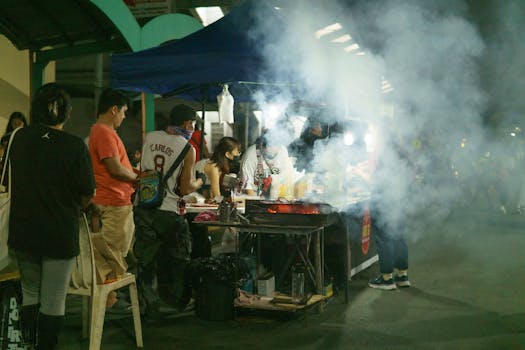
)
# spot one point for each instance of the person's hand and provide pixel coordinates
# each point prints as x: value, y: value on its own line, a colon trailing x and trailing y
x: 199, y: 183
x: 202, y: 176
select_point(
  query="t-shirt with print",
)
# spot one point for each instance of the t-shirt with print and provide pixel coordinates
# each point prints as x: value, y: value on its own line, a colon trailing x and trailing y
x: 104, y: 142
x: 159, y: 152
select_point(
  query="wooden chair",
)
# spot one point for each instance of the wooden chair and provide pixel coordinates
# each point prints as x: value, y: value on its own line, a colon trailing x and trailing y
x: 84, y: 283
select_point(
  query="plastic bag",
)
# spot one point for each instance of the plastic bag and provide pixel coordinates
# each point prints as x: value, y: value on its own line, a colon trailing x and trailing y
x: 225, y: 102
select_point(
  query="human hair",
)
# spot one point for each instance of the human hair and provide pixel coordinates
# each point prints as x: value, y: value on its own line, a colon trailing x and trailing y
x: 15, y: 115
x: 262, y: 140
x: 111, y: 97
x: 226, y: 144
x: 181, y: 113
x: 51, y: 105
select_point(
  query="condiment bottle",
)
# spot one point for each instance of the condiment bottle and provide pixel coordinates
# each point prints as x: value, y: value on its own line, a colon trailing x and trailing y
x: 182, y: 206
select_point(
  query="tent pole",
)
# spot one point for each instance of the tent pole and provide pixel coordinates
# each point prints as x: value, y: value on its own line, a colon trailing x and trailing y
x: 143, y: 109
x: 204, y: 93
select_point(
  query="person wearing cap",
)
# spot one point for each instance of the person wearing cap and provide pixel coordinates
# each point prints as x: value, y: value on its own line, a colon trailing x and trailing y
x: 115, y: 181
x: 163, y: 232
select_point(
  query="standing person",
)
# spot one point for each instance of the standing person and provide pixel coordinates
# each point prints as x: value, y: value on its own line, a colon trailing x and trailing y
x: 52, y: 180
x: 303, y: 147
x: 267, y: 158
x: 195, y: 141
x: 163, y: 233
x: 16, y: 120
x: 262, y: 160
x: 393, y: 255
x: 394, y: 178
x: 115, y: 180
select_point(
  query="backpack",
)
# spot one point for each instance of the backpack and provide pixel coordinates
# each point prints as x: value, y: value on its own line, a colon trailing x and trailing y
x: 151, y: 188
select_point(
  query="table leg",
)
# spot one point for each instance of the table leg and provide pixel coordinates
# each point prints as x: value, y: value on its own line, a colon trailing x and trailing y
x: 347, y: 256
x: 319, y: 267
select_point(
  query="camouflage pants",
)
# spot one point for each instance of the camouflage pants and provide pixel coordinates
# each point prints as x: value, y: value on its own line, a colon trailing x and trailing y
x: 162, y: 248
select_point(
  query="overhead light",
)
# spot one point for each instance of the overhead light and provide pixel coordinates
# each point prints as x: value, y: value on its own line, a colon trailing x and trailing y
x: 208, y: 15
x: 360, y: 53
x: 348, y: 138
x: 277, y: 8
x: 327, y: 30
x: 351, y: 48
x: 342, y: 39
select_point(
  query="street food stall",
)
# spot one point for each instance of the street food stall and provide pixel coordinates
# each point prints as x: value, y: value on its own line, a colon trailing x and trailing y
x: 225, y: 53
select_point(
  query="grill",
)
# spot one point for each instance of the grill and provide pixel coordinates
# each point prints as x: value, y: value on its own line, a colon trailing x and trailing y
x: 296, y: 213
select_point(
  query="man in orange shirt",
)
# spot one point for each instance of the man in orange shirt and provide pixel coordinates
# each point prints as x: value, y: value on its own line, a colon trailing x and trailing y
x: 115, y: 181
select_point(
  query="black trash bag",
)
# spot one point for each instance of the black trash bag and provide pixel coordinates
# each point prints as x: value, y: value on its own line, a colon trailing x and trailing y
x: 10, y: 326
x: 216, y: 280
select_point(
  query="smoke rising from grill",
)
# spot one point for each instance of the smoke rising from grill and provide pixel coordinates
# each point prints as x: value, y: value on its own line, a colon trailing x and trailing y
x: 414, y: 76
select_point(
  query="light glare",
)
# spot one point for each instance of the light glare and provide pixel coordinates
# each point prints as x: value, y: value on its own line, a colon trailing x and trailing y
x: 327, y: 30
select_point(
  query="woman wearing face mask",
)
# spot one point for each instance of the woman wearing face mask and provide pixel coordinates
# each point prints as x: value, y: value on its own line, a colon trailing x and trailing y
x: 224, y: 160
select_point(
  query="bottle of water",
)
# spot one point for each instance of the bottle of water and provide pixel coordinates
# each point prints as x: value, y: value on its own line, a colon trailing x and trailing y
x: 297, y: 284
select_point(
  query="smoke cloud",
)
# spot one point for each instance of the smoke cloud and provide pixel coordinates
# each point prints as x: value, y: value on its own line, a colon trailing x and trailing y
x: 414, y: 77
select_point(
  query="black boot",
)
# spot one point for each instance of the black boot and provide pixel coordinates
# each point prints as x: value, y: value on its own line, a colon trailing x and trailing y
x: 48, y: 329
x: 29, y: 317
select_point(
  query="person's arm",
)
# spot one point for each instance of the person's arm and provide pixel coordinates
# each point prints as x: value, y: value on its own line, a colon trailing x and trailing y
x: 187, y: 184
x: 119, y: 172
x: 85, y: 200
x: 250, y: 192
x: 248, y: 167
x: 86, y: 179
x: 214, y: 174
x: 205, y: 152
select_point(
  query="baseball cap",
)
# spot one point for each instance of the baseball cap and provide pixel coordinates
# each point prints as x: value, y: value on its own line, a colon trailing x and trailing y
x: 181, y: 113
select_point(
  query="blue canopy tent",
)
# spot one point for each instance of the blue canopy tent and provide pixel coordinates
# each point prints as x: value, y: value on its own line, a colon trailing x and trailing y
x: 196, y: 66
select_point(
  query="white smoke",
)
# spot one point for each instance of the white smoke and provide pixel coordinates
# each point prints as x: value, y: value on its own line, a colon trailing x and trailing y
x: 429, y: 121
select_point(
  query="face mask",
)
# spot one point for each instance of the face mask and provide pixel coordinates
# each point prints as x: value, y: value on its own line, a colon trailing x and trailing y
x: 186, y: 133
x: 235, y: 164
x: 270, y: 156
x: 177, y: 130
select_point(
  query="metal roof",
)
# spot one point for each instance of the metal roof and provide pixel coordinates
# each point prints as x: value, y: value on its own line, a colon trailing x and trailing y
x: 35, y: 24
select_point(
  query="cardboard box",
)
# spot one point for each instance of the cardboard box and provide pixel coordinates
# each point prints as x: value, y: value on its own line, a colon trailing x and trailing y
x: 266, y: 285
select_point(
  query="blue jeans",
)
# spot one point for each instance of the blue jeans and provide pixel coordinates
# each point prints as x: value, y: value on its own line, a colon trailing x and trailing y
x: 391, y: 248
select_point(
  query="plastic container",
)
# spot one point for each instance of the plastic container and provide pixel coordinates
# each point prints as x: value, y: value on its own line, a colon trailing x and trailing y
x: 298, y: 284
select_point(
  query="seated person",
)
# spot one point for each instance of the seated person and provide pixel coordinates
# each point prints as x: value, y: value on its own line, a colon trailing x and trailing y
x: 224, y: 160
x: 265, y: 158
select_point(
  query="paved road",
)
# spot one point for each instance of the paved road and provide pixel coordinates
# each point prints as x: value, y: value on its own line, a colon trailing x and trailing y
x: 468, y: 276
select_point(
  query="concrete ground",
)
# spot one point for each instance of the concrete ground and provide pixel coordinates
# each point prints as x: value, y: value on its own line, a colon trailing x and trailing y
x: 468, y: 277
